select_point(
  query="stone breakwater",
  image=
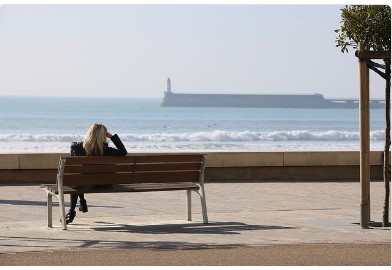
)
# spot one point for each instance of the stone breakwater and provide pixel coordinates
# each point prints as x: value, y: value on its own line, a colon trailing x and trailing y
x: 315, y: 101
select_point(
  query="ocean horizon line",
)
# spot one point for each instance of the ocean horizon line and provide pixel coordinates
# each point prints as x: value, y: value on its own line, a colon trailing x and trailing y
x: 82, y: 97
x: 191, y: 93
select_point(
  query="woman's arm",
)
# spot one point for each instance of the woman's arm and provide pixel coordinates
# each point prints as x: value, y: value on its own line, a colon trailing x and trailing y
x: 110, y: 151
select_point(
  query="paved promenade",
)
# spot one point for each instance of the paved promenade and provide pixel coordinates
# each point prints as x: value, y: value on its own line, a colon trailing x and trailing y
x: 244, y: 217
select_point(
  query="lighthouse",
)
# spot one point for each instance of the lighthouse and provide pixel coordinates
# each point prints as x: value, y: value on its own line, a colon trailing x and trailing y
x: 168, y: 86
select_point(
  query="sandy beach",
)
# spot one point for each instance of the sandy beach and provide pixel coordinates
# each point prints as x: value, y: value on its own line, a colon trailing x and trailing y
x: 279, y: 255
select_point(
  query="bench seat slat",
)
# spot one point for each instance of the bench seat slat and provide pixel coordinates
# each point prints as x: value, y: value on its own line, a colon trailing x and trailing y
x: 123, y: 188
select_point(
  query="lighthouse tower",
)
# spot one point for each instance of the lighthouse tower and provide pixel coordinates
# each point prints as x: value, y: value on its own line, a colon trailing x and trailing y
x: 168, y: 86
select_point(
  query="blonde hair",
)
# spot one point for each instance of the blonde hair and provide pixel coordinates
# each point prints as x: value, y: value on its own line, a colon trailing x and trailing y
x: 94, y: 139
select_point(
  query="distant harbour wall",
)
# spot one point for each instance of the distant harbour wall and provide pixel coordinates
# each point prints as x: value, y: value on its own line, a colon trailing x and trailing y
x: 261, y: 101
x: 221, y: 166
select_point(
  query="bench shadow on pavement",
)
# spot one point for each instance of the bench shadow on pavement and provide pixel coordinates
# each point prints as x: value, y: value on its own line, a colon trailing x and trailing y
x: 29, y: 243
x: 185, y: 228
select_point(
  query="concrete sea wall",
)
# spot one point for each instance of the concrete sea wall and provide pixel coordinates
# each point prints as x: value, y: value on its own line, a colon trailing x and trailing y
x: 39, y: 168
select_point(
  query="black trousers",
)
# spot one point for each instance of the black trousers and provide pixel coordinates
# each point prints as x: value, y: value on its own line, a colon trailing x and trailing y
x: 74, y: 200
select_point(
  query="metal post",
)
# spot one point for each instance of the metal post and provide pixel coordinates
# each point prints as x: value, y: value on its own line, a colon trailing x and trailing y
x: 364, y: 125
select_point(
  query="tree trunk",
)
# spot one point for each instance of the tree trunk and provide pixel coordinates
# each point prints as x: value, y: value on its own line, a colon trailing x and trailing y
x: 387, y: 170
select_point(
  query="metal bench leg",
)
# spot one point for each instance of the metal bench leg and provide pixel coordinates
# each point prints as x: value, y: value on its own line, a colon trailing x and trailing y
x: 189, y: 204
x: 201, y: 191
x: 61, y: 192
x: 203, y: 205
x: 204, y: 209
x: 62, y: 211
x: 49, y: 209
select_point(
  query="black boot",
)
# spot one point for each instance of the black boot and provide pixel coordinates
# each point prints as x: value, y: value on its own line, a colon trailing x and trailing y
x: 70, y: 216
x: 83, y: 206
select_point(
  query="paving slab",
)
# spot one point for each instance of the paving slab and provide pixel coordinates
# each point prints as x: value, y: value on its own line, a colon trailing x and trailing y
x: 251, y: 214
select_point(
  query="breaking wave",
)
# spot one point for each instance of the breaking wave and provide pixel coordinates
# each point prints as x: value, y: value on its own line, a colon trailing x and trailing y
x: 207, y: 136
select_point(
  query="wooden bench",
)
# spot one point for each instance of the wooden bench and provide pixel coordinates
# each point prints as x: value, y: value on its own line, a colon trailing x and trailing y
x: 134, y: 173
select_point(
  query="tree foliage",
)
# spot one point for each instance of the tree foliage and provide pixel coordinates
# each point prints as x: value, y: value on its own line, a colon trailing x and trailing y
x: 370, y: 24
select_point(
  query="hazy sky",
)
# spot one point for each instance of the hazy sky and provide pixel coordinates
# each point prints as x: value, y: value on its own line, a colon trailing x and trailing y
x: 130, y: 50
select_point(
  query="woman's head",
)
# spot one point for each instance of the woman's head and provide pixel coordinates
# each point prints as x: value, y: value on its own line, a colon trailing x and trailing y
x: 94, y: 140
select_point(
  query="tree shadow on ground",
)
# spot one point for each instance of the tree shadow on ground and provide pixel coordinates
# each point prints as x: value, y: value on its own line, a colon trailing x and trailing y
x: 24, y: 202
x: 43, y: 203
x: 24, y: 244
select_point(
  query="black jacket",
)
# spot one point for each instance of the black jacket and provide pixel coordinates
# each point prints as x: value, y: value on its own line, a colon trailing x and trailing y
x: 77, y: 148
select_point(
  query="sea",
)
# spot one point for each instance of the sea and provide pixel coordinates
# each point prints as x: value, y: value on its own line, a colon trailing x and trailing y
x: 51, y: 124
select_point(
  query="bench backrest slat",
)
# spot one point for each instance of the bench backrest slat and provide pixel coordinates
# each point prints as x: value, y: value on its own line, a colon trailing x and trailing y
x: 130, y: 178
x: 83, y: 160
x: 167, y: 167
x: 107, y: 168
x: 101, y: 168
x: 162, y: 177
x: 168, y: 158
x: 132, y: 169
